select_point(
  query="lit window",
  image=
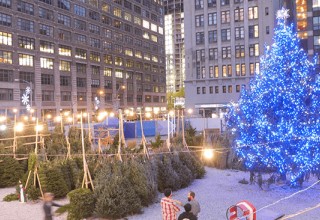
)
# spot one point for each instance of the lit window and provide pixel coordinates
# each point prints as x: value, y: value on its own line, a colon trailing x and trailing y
x: 46, y: 46
x: 5, y: 57
x: 25, y: 60
x: 64, y: 50
x: 5, y: 38
x: 253, y: 12
x: 46, y: 63
x: 65, y: 66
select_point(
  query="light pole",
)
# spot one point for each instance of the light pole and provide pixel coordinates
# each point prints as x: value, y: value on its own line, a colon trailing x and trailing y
x: 27, y: 92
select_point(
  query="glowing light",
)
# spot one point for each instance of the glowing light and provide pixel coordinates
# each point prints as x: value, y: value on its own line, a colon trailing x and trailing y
x: 3, y: 118
x: 49, y: 116
x: 58, y: 118
x: 3, y: 127
x: 190, y: 111
x: 39, y: 128
x: 208, y: 153
x: 19, y: 127
x: 69, y: 119
x: 111, y: 114
x: 148, y: 115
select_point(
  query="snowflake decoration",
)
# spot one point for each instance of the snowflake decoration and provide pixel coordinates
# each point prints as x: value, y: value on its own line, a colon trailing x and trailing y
x: 28, y: 107
x: 25, y: 99
x: 283, y: 14
x: 28, y: 90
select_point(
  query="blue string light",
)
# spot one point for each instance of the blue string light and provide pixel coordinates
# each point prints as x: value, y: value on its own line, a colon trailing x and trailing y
x: 281, y: 104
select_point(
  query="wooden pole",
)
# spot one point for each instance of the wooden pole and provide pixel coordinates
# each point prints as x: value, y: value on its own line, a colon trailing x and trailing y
x: 120, y: 134
x: 183, y: 134
x: 143, y: 138
x: 14, y: 136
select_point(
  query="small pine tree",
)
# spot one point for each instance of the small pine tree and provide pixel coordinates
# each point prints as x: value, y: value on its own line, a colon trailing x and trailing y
x: 167, y: 176
x: 10, y: 172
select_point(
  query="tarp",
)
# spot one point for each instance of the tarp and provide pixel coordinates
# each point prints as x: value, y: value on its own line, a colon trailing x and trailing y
x: 129, y: 129
x: 149, y: 128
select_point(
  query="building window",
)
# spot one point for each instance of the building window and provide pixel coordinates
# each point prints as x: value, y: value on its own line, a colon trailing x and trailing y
x: 95, y: 70
x: 108, y: 84
x: 81, y: 82
x: 79, y: 10
x: 81, y: 68
x: 25, y: 7
x: 65, y: 80
x: 211, y: 89
x: 211, y: 72
x: 93, y: 42
x: 95, y: 83
x: 224, y: 89
x: 6, y: 94
x: 95, y: 29
x: 47, y: 47
x: 64, y: 19
x: 212, y: 18
x: 64, y: 50
x: 198, y: 4
x: 225, y: 17
x: 226, y: 52
x: 5, y: 20
x: 225, y: 34
x: 81, y: 96
x: 25, y: 25
x: 108, y: 59
x: 253, y: 12
x: 238, y: 14
x: 253, y: 31
x: 47, y: 95
x: 118, y: 61
x: 46, y: 30
x: 95, y: 56
x: 243, y: 69
x: 267, y: 29
x: 204, y: 90
x: 81, y: 53
x: 225, y: 2
x: 240, y: 51
x: 203, y: 72
x: 25, y: 59
x: 26, y: 42
x: 199, y: 20
x: 47, y: 79
x: 64, y: 35
x: 5, y: 38
x: 216, y: 89
x: 65, y: 96
x: 254, y: 50
x: 230, y: 89
x: 65, y: 66
x: 82, y: 39
x: 213, y: 53
x: 200, y: 38
x: 239, y: 33
x: 107, y: 72
x: 237, y: 88
x: 6, y: 75
x: 212, y: 36
x: 216, y: 71
x: 46, y: 14
x: 80, y: 25
x: 64, y: 4
x: 46, y: 63
x: 94, y: 15
x: 5, y: 3
x: 5, y: 57
x: 212, y: 3
x: 198, y: 90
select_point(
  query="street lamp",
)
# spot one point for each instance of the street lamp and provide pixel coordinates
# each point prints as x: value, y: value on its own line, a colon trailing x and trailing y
x: 28, y: 92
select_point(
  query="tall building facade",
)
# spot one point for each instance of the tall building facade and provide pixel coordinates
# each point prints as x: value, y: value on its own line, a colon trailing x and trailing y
x: 305, y: 14
x: 81, y: 55
x: 224, y: 40
x: 174, y: 43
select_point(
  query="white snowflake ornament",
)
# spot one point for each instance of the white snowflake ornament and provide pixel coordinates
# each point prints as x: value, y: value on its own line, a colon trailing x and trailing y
x: 25, y: 99
x: 28, y: 90
x: 283, y: 14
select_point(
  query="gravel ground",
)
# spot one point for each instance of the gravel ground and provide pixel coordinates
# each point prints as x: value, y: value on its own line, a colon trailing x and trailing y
x: 216, y: 192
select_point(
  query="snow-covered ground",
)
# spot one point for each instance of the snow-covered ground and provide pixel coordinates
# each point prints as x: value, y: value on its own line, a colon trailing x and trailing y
x: 215, y: 193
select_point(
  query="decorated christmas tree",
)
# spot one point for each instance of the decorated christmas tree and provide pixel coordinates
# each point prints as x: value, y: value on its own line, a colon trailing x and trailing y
x: 276, y: 122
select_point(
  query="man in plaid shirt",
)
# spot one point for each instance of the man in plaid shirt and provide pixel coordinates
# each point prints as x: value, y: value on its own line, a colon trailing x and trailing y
x: 168, y: 206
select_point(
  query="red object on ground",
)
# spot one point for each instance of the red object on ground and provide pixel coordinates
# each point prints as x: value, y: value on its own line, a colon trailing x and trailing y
x: 248, y: 210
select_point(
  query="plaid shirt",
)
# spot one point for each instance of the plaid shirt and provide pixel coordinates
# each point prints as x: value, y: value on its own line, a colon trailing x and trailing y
x: 169, y: 209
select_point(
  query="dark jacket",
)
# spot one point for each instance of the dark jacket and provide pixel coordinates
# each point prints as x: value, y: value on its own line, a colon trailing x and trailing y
x: 187, y: 215
x: 47, y: 209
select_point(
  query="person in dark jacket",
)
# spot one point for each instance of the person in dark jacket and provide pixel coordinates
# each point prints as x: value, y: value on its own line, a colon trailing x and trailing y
x: 187, y: 215
x: 48, y: 203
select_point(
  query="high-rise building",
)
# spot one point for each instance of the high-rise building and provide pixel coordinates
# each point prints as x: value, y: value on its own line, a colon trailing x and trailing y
x: 82, y: 55
x: 223, y: 44
x: 174, y: 42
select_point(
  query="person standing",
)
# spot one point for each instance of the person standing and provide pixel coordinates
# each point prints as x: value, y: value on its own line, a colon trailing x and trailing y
x: 48, y: 203
x: 187, y: 214
x: 195, y: 207
x: 168, y: 206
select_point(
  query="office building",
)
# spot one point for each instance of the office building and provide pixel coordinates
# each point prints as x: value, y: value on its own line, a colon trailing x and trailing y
x: 82, y: 55
x: 224, y: 42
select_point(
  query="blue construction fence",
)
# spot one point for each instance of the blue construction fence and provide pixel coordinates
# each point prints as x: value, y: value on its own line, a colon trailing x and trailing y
x: 132, y: 129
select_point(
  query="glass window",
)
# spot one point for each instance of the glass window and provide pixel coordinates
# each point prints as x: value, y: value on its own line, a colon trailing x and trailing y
x: 240, y: 51
x: 225, y: 34
x: 65, y: 81
x: 238, y: 14
x: 47, y: 79
x: 25, y: 7
x: 47, y: 47
x: 93, y: 42
x: 81, y: 53
x: 79, y: 10
x: 198, y: 4
x: 212, y: 18
x: 5, y: 3
x: 5, y: 19
x: 64, y: 19
x: 5, y: 57
x: 25, y: 25
x: 26, y: 42
x: 25, y: 60
x: 198, y: 90
x: 80, y: 25
x: 46, y: 63
x: 45, y: 13
x: 226, y: 52
x: 95, y: 29
x: 64, y: 35
x: 5, y: 38
x: 94, y: 15
x: 225, y: 2
x: 225, y: 17
x: 81, y: 68
x: 253, y: 12
x: 64, y: 4
x: 253, y: 31
x: 107, y: 72
x: 254, y: 50
x: 46, y: 30
x: 64, y: 50
x: 65, y: 66
x: 93, y: 3
x: 199, y: 20
x: 95, y: 56
x: 6, y: 94
x: 95, y: 70
x: 199, y: 38
x: 212, y: 3
x: 239, y: 33
x: 80, y: 38
x: 49, y: 2
x: 6, y: 75
x: 47, y: 95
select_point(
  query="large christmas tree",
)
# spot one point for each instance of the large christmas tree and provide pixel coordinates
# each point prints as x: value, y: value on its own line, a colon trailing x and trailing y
x: 276, y: 120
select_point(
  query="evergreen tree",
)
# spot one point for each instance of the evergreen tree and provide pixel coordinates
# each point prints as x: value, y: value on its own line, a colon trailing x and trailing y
x: 276, y: 120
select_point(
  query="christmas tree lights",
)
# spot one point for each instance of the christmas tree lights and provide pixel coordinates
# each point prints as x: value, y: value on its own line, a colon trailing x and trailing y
x: 276, y: 120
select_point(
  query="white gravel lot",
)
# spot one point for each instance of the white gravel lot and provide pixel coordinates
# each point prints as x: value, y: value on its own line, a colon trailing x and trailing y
x: 215, y: 193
